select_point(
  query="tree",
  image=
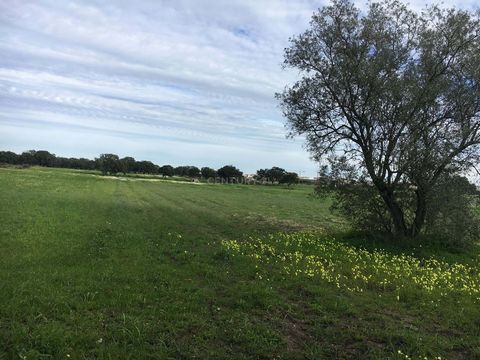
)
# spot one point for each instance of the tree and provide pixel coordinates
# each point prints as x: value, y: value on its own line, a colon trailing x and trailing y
x: 8, y: 157
x: 146, y: 167
x: 396, y: 93
x: 166, y: 170
x: 82, y: 163
x: 127, y: 164
x: 28, y: 157
x: 44, y: 158
x: 74, y: 163
x: 208, y: 173
x: 229, y: 173
x: 180, y: 170
x: 190, y: 171
x: 261, y: 174
x: 275, y: 174
x: 108, y: 164
x: 193, y: 172
x: 289, y: 178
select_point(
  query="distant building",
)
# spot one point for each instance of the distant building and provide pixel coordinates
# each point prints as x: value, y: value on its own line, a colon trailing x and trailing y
x: 308, y: 179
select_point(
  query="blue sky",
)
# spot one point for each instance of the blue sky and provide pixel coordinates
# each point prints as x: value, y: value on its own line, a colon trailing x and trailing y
x: 178, y: 82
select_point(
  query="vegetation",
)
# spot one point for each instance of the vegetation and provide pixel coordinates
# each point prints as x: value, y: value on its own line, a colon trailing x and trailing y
x: 208, y: 173
x: 396, y: 93
x: 105, y: 267
x: 272, y: 175
x: 166, y: 170
x: 190, y: 171
x: 289, y: 178
x: 358, y: 270
x: 277, y: 174
x: 45, y: 158
x: 452, y: 213
x: 229, y: 173
x: 111, y: 164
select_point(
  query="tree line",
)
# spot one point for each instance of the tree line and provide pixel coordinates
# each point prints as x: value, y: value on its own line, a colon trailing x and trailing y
x: 111, y: 164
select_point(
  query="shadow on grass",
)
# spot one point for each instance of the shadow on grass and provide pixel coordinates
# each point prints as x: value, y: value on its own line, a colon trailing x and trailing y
x: 421, y: 247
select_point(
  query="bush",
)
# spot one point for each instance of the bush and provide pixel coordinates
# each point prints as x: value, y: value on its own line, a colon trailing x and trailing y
x: 452, y: 213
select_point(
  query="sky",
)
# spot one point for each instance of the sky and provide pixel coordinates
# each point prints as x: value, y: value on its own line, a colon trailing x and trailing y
x: 174, y: 82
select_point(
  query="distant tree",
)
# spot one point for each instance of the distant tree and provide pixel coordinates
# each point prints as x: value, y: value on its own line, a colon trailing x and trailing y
x: 28, y: 158
x: 289, y: 178
x: 208, y: 173
x: 193, y: 172
x: 229, y: 172
x: 41, y: 158
x: 44, y: 158
x: 261, y: 175
x: 63, y: 162
x: 74, y: 163
x: 396, y: 93
x: 180, y: 170
x: 108, y: 164
x: 166, y: 170
x: 9, y: 157
x: 128, y: 164
x: 146, y: 167
x: 85, y: 164
x: 189, y: 171
x: 275, y: 174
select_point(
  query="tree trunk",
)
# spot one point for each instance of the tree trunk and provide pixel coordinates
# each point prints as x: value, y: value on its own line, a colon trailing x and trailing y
x: 420, y: 213
x: 400, y: 229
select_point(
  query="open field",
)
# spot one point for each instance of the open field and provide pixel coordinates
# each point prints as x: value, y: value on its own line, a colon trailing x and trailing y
x: 94, y: 267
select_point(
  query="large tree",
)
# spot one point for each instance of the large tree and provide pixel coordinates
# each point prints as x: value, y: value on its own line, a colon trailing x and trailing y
x: 8, y: 157
x: 208, y: 172
x: 275, y: 173
x: 395, y: 92
x: 193, y: 172
x: 146, y: 167
x: 108, y: 164
x: 289, y: 178
x: 229, y: 173
x: 127, y: 164
x: 166, y: 170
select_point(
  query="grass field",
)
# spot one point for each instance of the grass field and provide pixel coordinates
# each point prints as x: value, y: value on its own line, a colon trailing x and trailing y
x: 94, y: 267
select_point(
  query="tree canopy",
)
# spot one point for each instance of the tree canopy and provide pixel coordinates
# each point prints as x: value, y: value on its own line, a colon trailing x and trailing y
x: 108, y: 163
x: 229, y: 172
x: 289, y: 178
x: 273, y: 174
x: 166, y: 170
x: 208, y: 172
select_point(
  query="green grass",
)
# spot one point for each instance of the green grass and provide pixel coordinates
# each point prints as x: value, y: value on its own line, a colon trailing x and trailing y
x: 94, y: 267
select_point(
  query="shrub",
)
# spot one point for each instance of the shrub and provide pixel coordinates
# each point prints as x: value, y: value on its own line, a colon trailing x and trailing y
x: 451, y: 216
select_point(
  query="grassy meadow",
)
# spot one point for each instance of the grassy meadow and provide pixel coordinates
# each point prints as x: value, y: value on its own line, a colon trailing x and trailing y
x: 115, y: 268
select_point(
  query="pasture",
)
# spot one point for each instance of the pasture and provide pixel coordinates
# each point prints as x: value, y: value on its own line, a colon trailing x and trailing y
x: 104, y: 267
